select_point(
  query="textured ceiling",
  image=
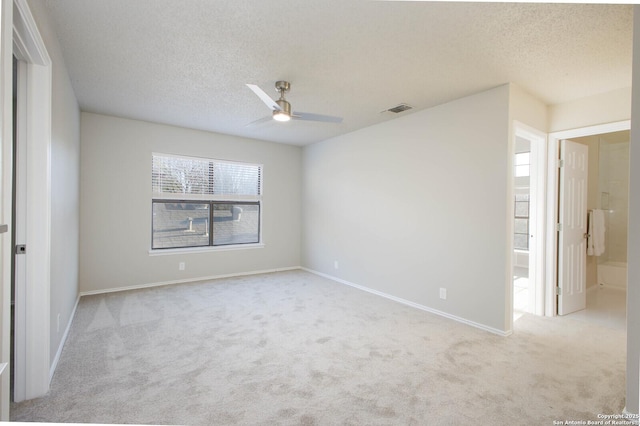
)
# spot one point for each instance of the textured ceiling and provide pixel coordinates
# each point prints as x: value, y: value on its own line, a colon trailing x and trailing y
x: 186, y: 63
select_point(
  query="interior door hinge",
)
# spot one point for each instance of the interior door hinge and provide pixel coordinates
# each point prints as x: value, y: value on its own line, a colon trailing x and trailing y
x: 558, y: 227
x: 560, y: 163
x: 558, y: 291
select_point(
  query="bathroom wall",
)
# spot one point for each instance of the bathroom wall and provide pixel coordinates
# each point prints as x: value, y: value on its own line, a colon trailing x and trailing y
x: 593, y: 195
x: 608, y: 189
x: 614, y: 194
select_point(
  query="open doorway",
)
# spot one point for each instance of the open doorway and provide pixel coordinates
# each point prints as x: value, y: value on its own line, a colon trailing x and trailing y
x: 528, y: 221
x: 607, y: 204
x: 607, y: 195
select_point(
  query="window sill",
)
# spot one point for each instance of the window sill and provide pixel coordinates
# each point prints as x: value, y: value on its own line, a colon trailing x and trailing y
x: 168, y: 252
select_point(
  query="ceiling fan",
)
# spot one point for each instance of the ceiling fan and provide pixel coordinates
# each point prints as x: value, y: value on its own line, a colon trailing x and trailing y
x: 281, y: 109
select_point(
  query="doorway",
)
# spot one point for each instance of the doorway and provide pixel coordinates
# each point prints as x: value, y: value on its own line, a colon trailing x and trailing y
x: 607, y: 197
x: 529, y: 147
x: 606, y: 176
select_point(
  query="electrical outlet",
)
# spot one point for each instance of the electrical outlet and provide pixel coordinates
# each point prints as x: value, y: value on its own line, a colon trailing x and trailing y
x: 181, y: 266
x: 335, y: 264
x: 443, y: 293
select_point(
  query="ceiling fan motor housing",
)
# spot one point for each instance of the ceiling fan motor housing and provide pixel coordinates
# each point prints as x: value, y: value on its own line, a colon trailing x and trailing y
x: 282, y: 87
x: 284, y: 106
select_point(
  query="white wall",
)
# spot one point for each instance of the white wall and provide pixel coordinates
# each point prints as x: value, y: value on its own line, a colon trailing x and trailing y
x: 115, y: 233
x: 633, y: 247
x: 65, y: 175
x: 415, y: 204
x: 527, y: 109
x: 605, y: 108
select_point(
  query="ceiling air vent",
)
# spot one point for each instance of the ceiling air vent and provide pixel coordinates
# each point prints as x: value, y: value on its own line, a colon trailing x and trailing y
x: 399, y: 108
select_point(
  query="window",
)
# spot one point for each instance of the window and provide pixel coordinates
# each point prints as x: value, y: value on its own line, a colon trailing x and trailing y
x: 522, y: 164
x: 521, y: 225
x: 199, y: 202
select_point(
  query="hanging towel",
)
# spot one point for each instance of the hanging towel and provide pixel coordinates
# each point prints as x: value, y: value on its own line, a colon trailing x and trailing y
x: 595, y: 240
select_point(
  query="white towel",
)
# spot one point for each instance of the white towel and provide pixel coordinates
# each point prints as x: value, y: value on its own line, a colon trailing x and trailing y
x: 595, y: 241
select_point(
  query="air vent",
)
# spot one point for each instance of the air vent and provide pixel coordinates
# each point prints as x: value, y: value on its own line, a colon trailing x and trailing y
x: 399, y: 108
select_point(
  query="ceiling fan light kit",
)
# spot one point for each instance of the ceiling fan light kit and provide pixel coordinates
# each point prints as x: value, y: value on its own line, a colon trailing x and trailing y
x: 282, y: 108
x: 281, y: 116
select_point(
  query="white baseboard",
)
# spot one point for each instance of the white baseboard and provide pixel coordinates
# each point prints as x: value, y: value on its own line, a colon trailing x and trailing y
x: 54, y: 364
x: 599, y: 287
x: 336, y: 279
x: 185, y: 281
x: 412, y: 304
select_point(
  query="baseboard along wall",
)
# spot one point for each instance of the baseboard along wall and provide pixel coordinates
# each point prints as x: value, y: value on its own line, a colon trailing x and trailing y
x: 412, y: 304
x: 56, y: 359
x: 186, y: 281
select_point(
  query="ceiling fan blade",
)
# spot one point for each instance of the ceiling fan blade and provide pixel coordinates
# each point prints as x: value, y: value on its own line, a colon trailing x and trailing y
x: 260, y: 121
x: 316, y: 117
x: 265, y: 98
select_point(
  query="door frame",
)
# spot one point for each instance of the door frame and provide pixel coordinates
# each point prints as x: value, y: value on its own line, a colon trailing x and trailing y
x: 553, y: 194
x: 33, y: 324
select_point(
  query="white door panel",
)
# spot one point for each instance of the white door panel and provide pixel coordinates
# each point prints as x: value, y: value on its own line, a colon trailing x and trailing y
x: 572, y: 244
x: 20, y: 232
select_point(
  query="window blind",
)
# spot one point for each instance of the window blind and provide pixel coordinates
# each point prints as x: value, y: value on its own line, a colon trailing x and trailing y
x: 191, y: 178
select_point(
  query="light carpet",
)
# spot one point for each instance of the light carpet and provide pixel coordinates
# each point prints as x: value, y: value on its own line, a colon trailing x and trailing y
x: 295, y: 348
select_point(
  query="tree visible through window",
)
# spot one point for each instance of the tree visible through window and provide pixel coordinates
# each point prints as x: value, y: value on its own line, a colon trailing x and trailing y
x: 204, y: 202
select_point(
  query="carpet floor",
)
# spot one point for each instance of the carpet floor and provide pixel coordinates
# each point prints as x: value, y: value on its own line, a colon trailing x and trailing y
x: 293, y: 348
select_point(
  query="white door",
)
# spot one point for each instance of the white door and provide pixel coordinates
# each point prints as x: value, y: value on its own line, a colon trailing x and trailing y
x: 6, y: 184
x: 33, y: 308
x: 572, y: 242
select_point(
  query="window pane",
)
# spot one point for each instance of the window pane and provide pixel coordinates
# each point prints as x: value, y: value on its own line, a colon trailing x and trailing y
x: 180, y: 225
x: 236, y: 223
x: 522, y: 159
x: 521, y: 226
x: 177, y: 175
x: 522, y: 171
x: 236, y: 179
x: 521, y: 241
x: 201, y: 178
x: 522, y: 209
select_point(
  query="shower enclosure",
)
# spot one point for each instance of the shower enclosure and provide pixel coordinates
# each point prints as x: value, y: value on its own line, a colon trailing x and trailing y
x: 613, y: 184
